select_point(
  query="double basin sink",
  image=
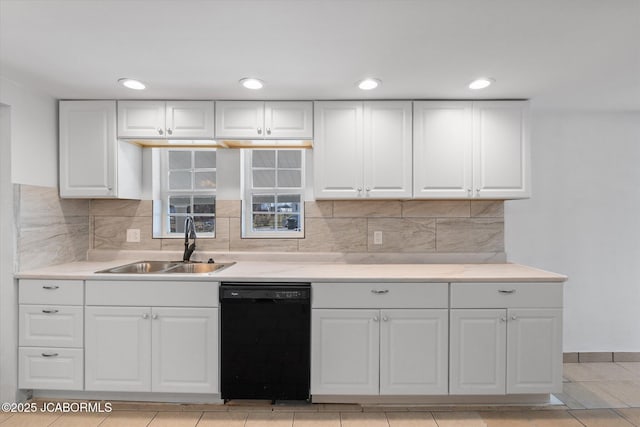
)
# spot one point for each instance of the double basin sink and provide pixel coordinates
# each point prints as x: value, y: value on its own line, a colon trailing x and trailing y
x: 166, y: 267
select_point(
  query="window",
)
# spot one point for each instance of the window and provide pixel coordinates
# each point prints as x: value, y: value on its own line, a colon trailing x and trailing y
x: 273, y: 193
x: 187, y: 188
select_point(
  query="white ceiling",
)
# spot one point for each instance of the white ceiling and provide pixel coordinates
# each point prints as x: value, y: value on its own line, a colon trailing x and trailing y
x: 560, y: 53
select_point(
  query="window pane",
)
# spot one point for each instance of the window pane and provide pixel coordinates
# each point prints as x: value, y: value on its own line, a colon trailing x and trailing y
x: 205, y: 180
x: 264, y: 158
x: 204, y: 205
x: 264, y: 178
x: 288, y: 221
x: 204, y: 224
x: 263, y: 222
x: 179, y: 159
x: 264, y: 203
x: 179, y: 180
x: 289, y: 159
x: 176, y: 224
x: 289, y: 178
x: 180, y: 205
x: 205, y: 159
x: 289, y: 203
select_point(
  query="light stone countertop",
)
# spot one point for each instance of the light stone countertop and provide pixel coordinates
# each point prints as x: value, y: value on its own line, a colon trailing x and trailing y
x: 272, y: 271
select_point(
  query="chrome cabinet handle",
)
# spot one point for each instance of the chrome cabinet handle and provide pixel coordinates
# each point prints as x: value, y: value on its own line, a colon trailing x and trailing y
x: 378, y: 292
x: 50, y: 311
x: 268, y: 131
x: 169, y: 131
x: 359, y: 189
x: 259, y: 131
x: 155, y: 316
x: 507, y: 291
x: 368, y: 189
x: 49, y: 354
x: 145, y: 316
x: 160, y: 131
x: 503, y: 319
x: 375, y: 318
x: 514, y: 318
x: 51, y: 287
x: 469, y: 192
x: 477, y: 191
x: 385, y: 319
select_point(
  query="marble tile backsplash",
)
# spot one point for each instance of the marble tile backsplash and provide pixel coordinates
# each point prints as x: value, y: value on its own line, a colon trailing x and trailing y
x: 50, y: 230
x: 330, y: 226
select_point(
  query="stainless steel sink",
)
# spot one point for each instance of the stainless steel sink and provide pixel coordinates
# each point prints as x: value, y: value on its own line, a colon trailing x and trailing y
x: 196, y: 268
x: 166, y: 267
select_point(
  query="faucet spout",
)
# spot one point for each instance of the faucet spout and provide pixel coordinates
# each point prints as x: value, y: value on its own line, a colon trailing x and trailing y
x: 189, y: 233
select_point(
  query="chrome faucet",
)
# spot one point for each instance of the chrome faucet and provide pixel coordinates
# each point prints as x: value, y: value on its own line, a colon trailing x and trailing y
x: 189, y: 233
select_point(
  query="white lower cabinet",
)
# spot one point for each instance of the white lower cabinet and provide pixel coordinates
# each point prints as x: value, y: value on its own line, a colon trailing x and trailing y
x: 50, y: 329
x: 371, y: 352
x: 506, y: 351
x: 161, y: 349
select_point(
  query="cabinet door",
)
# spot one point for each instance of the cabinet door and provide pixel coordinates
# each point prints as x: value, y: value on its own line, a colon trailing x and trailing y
x: 534, y: 351
x: 189, y: 119
x: 240, y: 119
x: 118, y: 348
x: 338, y: 150
x: 141, y: 119
x: 413, y: 352
x: 501, y: 149
x: 344, y: 351
x: 288, y: 119
x: 87, y: 148
x: 387, y: 149
x: 478, y: 347
x: 185, y: 350
x: 442, y: 141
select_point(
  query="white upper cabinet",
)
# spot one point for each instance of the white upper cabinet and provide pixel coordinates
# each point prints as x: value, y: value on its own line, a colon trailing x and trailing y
x: 93, y: 163
x: 362, y: 150
x: 165, y: 120
x: 442, y: 149
x: 465, y: 149
x: 264, y: 120
x: 501, y: 149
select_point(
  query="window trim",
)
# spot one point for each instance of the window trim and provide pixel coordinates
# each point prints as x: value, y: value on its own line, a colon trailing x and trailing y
x: 248, y: 192
x: 161, y: 216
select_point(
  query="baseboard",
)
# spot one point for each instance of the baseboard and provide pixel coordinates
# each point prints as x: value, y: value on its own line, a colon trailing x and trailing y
x: 601, y: 356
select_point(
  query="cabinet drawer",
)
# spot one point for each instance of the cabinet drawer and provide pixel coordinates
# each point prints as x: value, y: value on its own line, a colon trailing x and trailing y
x: 146, y: 293
x: 506, y: 295
x: 51, y: 326
x: 380, y: 295
x: 50, y: 368
x: 67, y: 292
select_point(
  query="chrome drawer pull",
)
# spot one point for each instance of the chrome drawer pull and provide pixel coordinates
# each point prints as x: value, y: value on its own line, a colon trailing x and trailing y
x: 50, y: 287
x: 504, y: 291
x: 49, y: 354
x: 377, y: 292
x: 50, y: 311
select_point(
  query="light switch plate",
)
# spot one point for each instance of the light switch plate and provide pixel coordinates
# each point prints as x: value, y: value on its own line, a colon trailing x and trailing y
x: 377, y: 237
x: 133, y: 235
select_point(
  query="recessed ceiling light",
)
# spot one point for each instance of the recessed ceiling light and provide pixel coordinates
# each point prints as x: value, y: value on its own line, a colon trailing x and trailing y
x: 481, y: 83
x: 252, y: 83
x: 131, y: 83
x: 368, y: 84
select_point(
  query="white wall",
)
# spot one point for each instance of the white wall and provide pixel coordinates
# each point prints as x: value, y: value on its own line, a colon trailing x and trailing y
x: 34, y: 134
x: 584, y: 221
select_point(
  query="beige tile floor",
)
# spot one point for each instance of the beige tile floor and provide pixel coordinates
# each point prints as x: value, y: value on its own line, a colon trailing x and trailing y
x: 594, y: 395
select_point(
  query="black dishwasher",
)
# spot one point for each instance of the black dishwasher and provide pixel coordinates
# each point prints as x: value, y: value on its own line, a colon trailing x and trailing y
x: 265, y: 340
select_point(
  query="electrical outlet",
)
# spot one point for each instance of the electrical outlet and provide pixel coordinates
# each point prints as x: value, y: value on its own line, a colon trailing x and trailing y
x: 377, y: 237
x: 133, y: 235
